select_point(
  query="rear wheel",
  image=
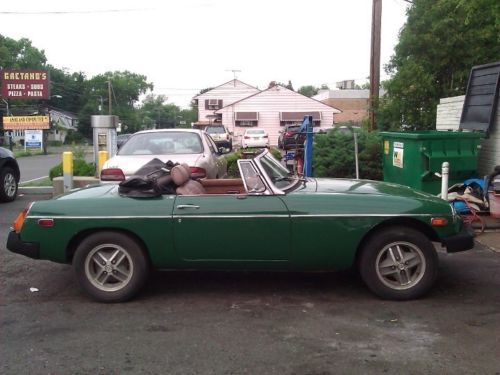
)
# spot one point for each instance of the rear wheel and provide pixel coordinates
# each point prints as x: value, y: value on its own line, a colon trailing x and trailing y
x: 398, y: 263
x: 8, y: 185
x: 110, y: 266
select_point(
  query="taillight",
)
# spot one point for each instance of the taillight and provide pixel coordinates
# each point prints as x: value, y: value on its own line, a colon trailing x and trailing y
x: 197, y: 172
x: 288, y: 134
x: 112, y: 174
x: 18, y: 223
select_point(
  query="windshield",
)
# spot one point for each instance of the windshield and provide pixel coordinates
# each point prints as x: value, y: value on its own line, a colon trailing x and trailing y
x: 162, y: 143
x: 255, y: 131
x: 293, y: 129
x: 279, y: 175
x: 215, y: 130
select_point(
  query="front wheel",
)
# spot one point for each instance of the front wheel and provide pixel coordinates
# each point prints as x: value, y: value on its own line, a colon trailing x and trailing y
x: 8, y: 185
x: 398, y: 264
x: 110, y: 266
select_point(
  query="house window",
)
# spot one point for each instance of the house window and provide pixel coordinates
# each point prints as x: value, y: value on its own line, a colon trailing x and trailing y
x: 246, y: 118
x: 213, y: 104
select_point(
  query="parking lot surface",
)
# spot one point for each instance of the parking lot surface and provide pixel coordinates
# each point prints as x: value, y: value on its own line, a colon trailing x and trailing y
x: 247, y: 323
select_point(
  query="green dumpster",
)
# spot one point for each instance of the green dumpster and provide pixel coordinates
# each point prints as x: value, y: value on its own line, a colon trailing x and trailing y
x: 414, y: 158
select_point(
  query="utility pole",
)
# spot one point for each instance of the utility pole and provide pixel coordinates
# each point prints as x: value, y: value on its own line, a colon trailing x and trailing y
x: 110, y: 108
x: 375, y: 60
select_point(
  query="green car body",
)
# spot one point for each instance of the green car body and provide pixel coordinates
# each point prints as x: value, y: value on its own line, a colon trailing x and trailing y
x: 318, y: 224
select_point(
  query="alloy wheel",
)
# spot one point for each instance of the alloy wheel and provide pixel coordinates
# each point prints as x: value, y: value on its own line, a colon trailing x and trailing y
x: 109, y: 267
x: 400, y: 265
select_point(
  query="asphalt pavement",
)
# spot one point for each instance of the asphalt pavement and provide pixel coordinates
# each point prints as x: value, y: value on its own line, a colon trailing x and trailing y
x: 248, y: 323
x: 38, y: 166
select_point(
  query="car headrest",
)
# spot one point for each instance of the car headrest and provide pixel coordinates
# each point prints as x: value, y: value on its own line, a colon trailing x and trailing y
x: 180, y: 174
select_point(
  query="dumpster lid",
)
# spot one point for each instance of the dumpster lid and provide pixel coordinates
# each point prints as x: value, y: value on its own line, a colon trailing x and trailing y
x: 481, y: 98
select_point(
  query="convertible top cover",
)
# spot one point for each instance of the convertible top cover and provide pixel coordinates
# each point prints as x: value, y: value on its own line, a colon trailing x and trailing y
x: 151, y: 180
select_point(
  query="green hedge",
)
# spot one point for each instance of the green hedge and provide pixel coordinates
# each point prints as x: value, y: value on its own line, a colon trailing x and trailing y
x: 80, y: 168
x: 334, y: 155
x: 232, y: 160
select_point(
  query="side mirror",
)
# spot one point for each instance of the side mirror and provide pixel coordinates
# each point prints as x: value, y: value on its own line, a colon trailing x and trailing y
x: 223, y: 150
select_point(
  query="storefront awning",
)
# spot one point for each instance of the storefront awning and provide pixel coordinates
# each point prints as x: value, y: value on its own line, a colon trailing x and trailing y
x: 247, y: 116
x: 299, y: 116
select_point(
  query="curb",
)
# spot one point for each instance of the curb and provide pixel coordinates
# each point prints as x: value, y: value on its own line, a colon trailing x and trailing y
x: 35, y: 190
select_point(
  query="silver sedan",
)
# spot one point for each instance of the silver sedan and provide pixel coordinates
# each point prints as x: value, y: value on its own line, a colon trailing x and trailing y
x: 191, y: 146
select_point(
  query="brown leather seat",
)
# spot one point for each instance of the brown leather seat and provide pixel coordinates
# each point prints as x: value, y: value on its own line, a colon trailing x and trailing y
x: 181, y: 175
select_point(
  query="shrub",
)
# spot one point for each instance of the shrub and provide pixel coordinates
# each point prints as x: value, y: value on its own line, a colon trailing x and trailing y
x: 80, y: 168
x: 232, y: 164
x: 74, y: 137
x: 54, y: 143
x: 232, y: 160
x: 334, y: 155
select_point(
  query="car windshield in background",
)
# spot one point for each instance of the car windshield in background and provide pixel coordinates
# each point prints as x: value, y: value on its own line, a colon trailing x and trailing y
x: 294, y: 129
x: 255, y: 131
x: 162, y: 143
x: 215, y: 130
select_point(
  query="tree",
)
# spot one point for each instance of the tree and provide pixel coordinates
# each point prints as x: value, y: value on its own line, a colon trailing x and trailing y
x: 440, y: 42
x: 308, y: 90
x: 289, y: 86
x: 126, y: 86
x: 334, y: 154
x: 20, y: 54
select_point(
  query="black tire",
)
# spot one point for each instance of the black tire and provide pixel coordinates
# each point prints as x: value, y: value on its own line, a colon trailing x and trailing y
x: 126, y: 277
x: 8, y: 185
x: 389, y: 276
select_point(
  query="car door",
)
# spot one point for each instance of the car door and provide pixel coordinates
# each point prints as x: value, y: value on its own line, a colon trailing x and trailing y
x: 241, y: 228
x: 216, y: 161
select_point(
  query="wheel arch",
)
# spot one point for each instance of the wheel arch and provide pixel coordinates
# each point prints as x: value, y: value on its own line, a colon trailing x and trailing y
x: 11, y: 163
x: 78, y: 238
x: 407, y: 222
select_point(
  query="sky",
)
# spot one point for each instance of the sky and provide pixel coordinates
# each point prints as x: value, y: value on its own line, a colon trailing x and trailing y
x: 183, y: 46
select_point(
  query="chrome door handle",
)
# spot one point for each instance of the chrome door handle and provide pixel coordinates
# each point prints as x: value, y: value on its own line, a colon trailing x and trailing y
x: 182, y: 206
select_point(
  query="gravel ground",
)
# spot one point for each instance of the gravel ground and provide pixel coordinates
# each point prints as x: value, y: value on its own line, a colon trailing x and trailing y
x: 248, y: 323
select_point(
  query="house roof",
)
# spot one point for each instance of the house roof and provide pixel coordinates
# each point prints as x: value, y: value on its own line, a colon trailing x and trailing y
x: 283, y: 87
x: 225, y: 83
x: 345, y: 94
x: 62, y: 113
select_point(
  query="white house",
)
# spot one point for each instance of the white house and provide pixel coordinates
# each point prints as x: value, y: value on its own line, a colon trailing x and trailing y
x: 271, y: 110
x: 219, y: 97
x: 62, y: 122
x: 449, y: 111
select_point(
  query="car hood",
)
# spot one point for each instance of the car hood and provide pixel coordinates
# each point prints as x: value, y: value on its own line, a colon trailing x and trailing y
x: 129, y: 164
x: 347, y: 186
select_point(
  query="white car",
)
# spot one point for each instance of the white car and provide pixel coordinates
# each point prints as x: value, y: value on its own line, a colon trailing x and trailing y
x: 255, y: 137
x: 191, y: 146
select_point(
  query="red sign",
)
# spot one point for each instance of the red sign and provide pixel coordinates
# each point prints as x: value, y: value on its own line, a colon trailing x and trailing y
x: 25, y: 84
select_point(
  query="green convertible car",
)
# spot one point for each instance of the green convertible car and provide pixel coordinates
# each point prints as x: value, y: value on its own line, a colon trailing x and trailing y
x: 113, y: 240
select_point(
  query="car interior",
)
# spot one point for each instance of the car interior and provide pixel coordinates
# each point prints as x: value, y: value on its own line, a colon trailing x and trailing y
x: 181, y: 176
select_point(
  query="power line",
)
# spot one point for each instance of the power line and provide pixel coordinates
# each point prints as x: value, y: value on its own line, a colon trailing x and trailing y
x: 72, y: 12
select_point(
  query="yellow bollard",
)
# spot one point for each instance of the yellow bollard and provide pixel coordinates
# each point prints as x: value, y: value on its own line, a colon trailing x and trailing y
x: 67, y: 161
x: 103, y: 157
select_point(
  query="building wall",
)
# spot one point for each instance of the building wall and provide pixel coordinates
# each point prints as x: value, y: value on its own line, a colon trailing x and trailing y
x: 449, y: 111
x: 353, y: 110
x: 229, y: 92
x: 269, y: 104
